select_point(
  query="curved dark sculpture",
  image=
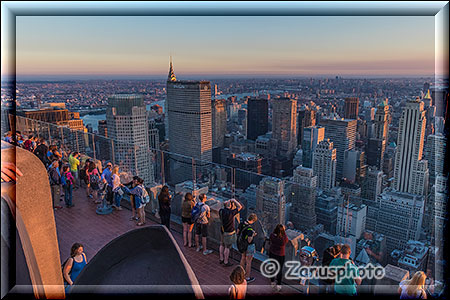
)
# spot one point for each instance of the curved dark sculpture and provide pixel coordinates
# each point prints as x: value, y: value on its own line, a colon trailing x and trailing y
x: 142, y: 261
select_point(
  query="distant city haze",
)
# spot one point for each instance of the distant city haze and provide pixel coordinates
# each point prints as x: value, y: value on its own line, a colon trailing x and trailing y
x: 71, y: 47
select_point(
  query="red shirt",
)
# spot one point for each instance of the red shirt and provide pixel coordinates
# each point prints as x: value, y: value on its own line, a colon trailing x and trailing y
x: 278, y: 244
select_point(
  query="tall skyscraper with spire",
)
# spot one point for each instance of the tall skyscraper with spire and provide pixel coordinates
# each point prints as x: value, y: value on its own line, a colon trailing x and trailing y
x: 410, y: 170
x: 188, y: 107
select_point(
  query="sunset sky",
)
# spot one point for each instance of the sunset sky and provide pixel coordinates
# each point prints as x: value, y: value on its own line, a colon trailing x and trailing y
x: 225, y: 45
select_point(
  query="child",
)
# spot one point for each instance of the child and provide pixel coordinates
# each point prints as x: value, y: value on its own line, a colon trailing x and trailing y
x: 238, y: 289
x: 67, y: 182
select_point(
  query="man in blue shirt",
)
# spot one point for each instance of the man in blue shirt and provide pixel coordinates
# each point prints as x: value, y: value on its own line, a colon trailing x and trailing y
x: 107, y: 179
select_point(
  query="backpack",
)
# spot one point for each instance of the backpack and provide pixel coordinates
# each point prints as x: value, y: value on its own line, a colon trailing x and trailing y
x: 242, y: 242
x: 63, y: 179
x: 196, y: 212
x: 94, y: 179
x: 145, y: 196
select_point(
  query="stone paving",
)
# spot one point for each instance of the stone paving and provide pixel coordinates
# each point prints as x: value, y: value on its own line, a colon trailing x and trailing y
x: 81, y: 224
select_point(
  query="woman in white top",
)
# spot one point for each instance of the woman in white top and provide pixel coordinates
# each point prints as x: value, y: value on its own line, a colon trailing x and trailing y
x: 118, y: 193
x: 413, y: 288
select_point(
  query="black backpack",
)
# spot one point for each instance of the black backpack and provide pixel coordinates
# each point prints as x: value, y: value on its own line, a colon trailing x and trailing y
x: 242, y: 242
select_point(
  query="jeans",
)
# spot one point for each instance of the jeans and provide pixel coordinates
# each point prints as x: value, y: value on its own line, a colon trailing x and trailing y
x: 68, y: 194
x: 279, y: 275
x: 117, y: 199
x: 56, y: 193
x: 75, y: 176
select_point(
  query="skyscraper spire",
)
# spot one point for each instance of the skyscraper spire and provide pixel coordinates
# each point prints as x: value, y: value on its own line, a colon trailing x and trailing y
x: 171, y: 76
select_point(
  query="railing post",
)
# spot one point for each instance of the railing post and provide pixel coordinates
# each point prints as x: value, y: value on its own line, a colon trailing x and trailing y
x: 93, y: 146
x: 162, y: 168
x: 113, y: 155
x: 76, y: 138
x: 135, y: 161
x: 49, y: 136
x: 62, y: 136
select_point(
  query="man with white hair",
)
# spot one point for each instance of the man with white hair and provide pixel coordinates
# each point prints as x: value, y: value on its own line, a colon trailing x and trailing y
x: 228, y: 236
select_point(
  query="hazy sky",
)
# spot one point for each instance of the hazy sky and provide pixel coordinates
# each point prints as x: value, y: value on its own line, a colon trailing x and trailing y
x: 225, y: 45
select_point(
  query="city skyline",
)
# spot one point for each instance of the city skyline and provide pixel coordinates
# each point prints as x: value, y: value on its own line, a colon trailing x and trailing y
x: 67, y: 47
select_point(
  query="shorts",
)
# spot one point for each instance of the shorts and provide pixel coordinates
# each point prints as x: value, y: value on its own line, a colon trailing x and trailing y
x: 250, y: 250
x: 228, y: 239
x: 187, y: 220
x: 137, y: 202
x: 201, y: 229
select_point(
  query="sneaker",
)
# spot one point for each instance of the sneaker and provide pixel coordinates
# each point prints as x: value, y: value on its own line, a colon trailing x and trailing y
x: 198, y: 249
x: 113, y: 206
x: 206, y: 252
x: 250, y: 279
x: 119, y: 208
x: 220, y: 262
x: 228, y: 264
x: 278, y: 288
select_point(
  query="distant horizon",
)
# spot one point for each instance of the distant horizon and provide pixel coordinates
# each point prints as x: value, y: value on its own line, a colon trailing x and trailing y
x: 57, y: 77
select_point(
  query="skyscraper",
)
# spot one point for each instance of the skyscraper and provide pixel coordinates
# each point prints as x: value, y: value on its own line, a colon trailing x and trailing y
x: 311, y: 137
x: 271, y: 203
x: 324, y: 164
x: 435, y: 154
x: 257, y: 117
x: 351, y: 108
x: 219, y: 121
x: 284, y: 125
x: 306, y: 118
x: 377, y: 143
x: 410, y: 171
x: 188, y: 105
x: 400, y: 218
x: 303, y: 198
x: 342, y: 132
x: 126, y: 119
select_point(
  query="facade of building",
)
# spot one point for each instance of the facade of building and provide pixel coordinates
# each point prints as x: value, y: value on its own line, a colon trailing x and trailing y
x: 327, y: 207
x: 257, y: 117
x: 303, y: 198
x: 410, y: 171
x: 377, y: 143
x: 306, y: 118
x: 324, y: 164
x: 284, y: 125
x: 127, y: 125
x: 351, y: 220
x: 219, y: 122
x: 351, y: 108
x: 311, y: 137
x: 271, y: 203
x: 400, y: 217
x: 435, y: 154
x: 342, y: 132
x: 188, y: 105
